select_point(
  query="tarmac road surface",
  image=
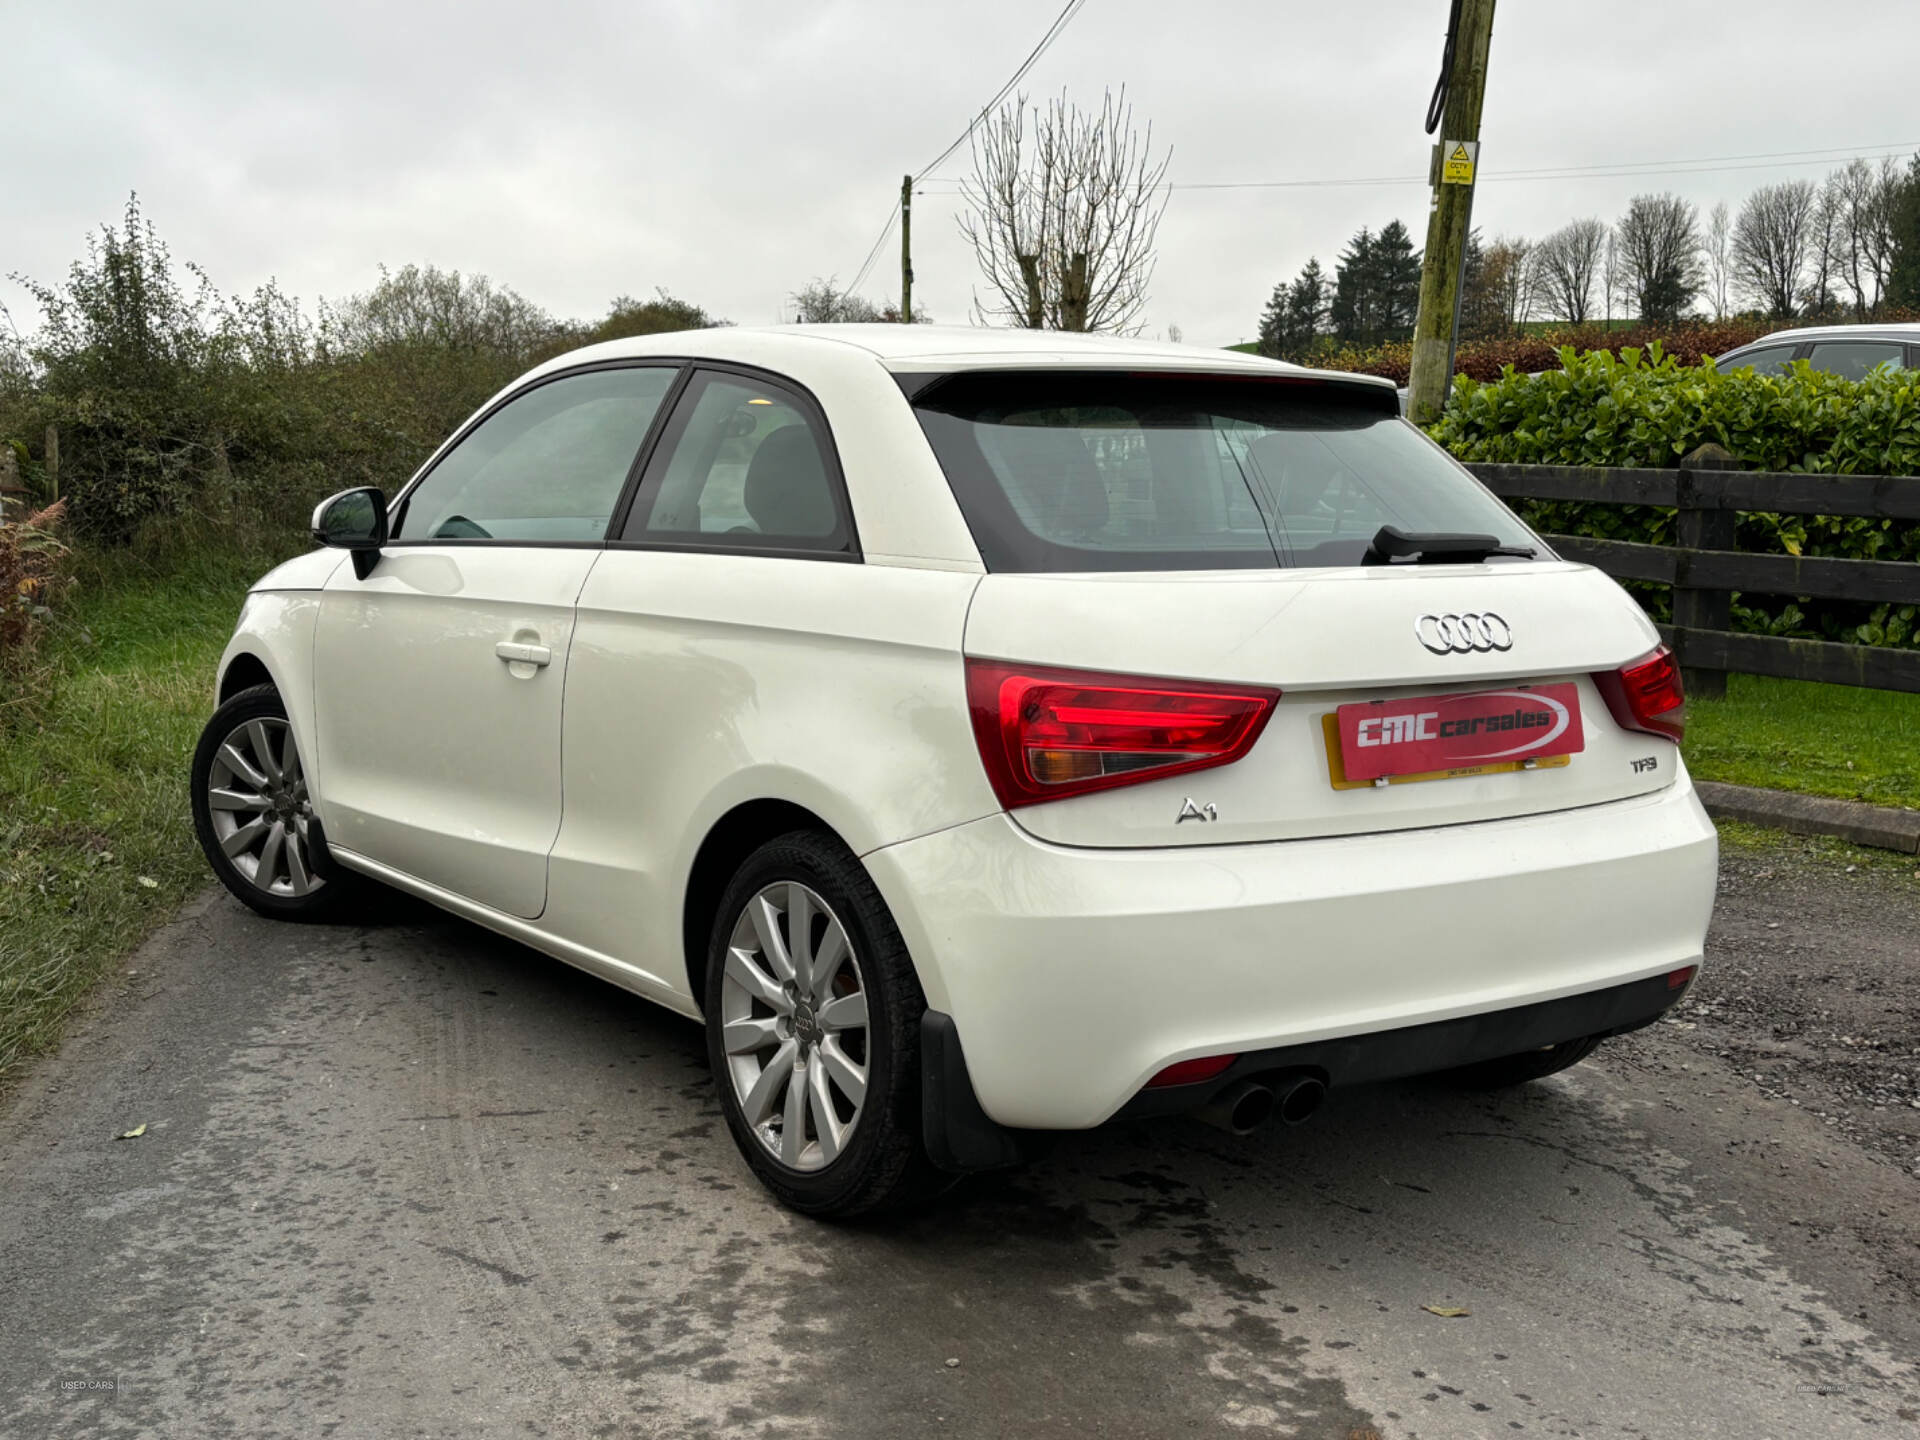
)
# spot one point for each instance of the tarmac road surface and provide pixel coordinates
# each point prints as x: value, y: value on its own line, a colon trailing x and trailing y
x: 412, y: 1180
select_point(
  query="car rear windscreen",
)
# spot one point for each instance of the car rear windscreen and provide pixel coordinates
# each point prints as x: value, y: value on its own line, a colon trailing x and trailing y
x: 1085, y: 470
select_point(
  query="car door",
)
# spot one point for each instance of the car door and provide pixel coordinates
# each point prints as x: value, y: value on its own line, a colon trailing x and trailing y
x: 1853, y: 359
x: 438, y: 676
x: 1762, y: 360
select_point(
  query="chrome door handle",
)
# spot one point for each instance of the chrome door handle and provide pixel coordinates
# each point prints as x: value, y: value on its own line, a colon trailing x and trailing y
x: 515, y: 652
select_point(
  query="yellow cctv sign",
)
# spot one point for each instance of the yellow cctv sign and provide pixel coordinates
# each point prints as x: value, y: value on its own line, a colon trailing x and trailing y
x: 1457, y: 161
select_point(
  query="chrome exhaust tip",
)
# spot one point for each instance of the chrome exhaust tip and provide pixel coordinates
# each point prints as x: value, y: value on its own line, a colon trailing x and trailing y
x: 1296, y: 1097
x: 1239, y: 1109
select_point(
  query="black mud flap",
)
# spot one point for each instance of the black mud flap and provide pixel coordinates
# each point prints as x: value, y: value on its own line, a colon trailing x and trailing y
x: 958, y: 1134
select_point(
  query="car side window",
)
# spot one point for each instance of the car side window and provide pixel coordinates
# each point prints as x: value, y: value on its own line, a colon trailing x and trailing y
x: 547, y: 465
x: 1762, y: 362
x: 743, y: 462
x: 1852, y: 359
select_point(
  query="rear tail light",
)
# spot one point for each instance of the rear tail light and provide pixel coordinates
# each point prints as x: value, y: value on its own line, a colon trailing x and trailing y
x: 1646, y: 695
x: 1046, y: 734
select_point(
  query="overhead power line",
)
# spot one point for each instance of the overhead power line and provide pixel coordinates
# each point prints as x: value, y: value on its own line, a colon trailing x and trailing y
x: 860, y: 277
x: 1626, y: 170
x: 1060, y: 23
x: 1841, y: 152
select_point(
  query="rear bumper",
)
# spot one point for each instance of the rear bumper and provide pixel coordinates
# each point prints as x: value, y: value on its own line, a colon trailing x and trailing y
x: 1075, y: 975
x: 959, y: 1135
x: 1442, y: 1045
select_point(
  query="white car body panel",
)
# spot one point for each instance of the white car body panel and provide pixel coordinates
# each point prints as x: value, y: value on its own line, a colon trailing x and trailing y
x: 441, y: 759
x: 1325, y: 638
x: 1080, y: 945
x: 274, y: 637
x: 761, y: 675
x: 310, y: 571
x: 1075, y: 975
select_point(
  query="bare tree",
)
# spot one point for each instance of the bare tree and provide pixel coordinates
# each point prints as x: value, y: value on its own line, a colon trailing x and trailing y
x: 1866, y: 197
x: 1513, y: 278
x: 1613, y: 278
x: 1770, y: 244
x: 1500, y: 287
x: 1568, y: 263
x: 1063, y: 207
x: 1659, y: 248
x: 1719, y: 260
x: 823, y: 302
x: 1826, y: 230
x: 425, y: 306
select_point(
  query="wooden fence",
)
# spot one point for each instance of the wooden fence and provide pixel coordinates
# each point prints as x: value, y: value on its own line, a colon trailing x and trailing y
x: 14, y: 498
x: 1704, y: 568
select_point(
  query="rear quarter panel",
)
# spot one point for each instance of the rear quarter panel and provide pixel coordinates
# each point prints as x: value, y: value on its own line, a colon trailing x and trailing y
x: 699, y: 682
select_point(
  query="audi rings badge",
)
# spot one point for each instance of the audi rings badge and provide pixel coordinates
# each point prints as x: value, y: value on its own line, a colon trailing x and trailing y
x: 1481, y: 632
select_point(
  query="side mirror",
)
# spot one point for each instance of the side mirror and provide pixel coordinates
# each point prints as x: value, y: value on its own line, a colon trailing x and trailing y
x: 353, y: 520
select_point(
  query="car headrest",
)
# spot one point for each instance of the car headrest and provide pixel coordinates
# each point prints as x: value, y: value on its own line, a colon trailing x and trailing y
x: 1296, y: 487
x: 786, y: 490
x: 1056, y: 476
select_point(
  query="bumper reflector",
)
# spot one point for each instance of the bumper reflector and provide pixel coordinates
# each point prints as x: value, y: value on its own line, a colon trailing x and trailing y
x: 1678, y: 978
x: 1191, y: 1072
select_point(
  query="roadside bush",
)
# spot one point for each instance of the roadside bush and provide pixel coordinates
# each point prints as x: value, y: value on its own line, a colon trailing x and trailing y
x: 166, y: 395
x: 126, y: 362
x: 1649, y: 409
x: 183, y: 412
x: 31, y: 579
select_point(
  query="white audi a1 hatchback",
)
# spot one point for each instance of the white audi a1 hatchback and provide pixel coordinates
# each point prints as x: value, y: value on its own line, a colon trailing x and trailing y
x: 982, y: 733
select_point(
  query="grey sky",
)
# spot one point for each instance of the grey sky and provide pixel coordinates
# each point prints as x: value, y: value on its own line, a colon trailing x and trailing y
x: 733, y: 149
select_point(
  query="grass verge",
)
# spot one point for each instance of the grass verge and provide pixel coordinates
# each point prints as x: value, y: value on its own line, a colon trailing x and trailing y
x: 1835, y: 740
x: 1826, y: 853
x: 96, y: 839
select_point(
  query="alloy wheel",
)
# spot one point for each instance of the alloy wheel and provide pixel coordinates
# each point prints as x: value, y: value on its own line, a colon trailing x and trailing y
x: 262, y: 816
x: 793, y: 1009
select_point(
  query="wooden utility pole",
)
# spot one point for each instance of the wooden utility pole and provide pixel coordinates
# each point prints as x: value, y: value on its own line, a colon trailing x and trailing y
x: 906, y: 250
x: 1456, y: 165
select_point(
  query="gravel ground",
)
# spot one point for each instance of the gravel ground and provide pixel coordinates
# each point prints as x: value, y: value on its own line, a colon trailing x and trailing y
x: 1814, y: 989
x: 405, y: 1179
x: 1811, y: 1000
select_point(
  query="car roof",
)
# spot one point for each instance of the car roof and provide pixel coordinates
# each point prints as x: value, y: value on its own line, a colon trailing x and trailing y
x: 1892, y: 330
x: 945, y: 348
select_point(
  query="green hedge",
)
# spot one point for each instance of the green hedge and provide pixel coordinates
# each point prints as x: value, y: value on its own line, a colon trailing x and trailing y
x: 1644, y: 409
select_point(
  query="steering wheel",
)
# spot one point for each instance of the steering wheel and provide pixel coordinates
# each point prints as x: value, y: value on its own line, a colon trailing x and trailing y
x: 459, y: 527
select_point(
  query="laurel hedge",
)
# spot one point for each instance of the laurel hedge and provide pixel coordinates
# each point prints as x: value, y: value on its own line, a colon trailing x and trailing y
x: 1487, y: 358
x: 1647, y: 409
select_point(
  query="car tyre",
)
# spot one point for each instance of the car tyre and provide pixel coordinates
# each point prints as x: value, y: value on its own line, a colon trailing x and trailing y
x: 1510, y: 1070
x: 813, y: 1029
x: 252, y: 814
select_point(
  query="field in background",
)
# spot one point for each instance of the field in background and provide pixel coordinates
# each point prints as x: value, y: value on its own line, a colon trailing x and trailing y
x: 1819, y: 739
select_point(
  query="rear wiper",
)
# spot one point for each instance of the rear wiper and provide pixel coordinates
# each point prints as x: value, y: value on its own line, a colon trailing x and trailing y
x: 1435, y: 547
